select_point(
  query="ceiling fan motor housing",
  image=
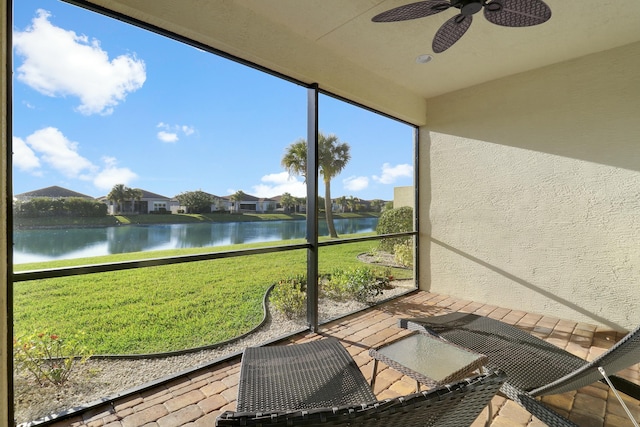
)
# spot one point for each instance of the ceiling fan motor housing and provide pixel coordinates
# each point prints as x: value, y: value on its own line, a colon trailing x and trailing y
x: 468, y: 7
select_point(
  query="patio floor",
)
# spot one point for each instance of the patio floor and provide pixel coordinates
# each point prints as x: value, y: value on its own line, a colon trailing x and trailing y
x: 196, y: 399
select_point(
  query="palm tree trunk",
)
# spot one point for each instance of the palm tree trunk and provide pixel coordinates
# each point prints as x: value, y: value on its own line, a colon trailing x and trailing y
x: 327, y: 209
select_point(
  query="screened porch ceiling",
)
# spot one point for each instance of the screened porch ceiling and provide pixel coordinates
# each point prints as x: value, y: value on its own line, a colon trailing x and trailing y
x: 334, y: 43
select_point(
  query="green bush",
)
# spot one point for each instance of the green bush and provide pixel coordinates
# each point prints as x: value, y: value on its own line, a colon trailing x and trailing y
x: 395, y: 221
x: 333, y: 286
x: 48, y: 357
x: 78, y: 206
x: 359, y: 283
x: 47, y: 207
x: 403, y: 253
x: 289, y: 296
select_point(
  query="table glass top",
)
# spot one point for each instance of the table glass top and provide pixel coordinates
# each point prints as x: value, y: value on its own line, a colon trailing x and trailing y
x: 429, y: 356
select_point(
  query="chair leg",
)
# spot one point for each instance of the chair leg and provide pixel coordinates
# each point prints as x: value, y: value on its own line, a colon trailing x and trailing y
x: 489, y: 415
x: 374, y: 372
x: 626, y: 409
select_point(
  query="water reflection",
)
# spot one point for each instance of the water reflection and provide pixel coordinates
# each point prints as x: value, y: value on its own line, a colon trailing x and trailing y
x: 50, y: 244
x: 58, y: 242
x: 135, y: 238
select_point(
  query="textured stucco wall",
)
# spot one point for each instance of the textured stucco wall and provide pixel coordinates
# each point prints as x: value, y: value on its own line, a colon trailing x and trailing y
x: 404, y: 196
x: 532, y: 185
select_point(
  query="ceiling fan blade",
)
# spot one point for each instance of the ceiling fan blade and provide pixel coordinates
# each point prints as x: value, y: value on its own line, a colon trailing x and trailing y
x: 412, y: 11
x: 450, y: 32
x: 517, y: 13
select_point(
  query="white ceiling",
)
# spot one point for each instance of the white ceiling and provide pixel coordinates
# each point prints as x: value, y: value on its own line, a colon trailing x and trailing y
x: 334, y: 42
x: 485, y: 52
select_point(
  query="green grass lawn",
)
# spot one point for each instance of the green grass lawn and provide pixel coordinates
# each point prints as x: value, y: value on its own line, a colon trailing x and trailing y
x: 164, y: 308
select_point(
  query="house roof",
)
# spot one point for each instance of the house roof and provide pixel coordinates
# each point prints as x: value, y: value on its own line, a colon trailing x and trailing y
x: 246, y: 198
x: 335, y: 44
x: 53, y: 192
x: 145, y: 195
x: 149, y: 195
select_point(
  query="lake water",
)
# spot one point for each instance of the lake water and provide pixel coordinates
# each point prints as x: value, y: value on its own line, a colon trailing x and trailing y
x: 51, y: 244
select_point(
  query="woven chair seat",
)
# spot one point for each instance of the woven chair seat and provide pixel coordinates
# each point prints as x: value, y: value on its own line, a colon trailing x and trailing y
x: 533, y: 366
x: 316, y: 374
x: 318, y: 383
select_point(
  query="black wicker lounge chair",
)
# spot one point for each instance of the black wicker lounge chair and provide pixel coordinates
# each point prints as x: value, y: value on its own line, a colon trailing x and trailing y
x: 534, y: 367
x: 319, y: 384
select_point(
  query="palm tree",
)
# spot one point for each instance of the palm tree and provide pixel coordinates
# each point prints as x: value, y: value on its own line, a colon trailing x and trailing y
x: 118, y: 195
x: 352, y: 203
x: 287, y: 201
x: 133, y: 194
x: 236, y: 198
x: 341, y: 201
x: 333, y: 156
x: 377, y: 205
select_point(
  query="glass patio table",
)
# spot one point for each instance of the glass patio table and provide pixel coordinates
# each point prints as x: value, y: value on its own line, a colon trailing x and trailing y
x: 428, y: 359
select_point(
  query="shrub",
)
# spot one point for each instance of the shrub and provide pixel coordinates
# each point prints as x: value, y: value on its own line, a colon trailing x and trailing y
x: 403, y: 253
x: 289, y: 296
x: 197, y: 202
x: 395, y: 221
x: 334, y: 285
x: 47, y: 207
x: 359, y: 283
x: 48, y: 357
x: 78, y: 206
x: 384, y: 277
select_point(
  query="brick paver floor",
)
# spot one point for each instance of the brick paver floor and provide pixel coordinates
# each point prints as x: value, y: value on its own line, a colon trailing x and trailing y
x: 196, y: 399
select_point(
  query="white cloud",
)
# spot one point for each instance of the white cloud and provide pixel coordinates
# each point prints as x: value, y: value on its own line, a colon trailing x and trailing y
x: 355, y: 183
x: 23, y: 157
x: 60, y: 153
x: 49, y: 147
x: 59, y: 62
x: 169, y: 133
x: 167, y: 136
x: 390, y: 174
x: 111, y: 175
x: 276, y: 184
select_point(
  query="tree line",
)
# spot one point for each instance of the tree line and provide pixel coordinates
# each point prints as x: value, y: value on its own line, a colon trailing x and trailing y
x: 43, y: 207
x: 333, y: 156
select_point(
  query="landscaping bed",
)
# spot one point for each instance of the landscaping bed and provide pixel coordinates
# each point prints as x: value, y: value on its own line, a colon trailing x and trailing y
x: 100, y: 378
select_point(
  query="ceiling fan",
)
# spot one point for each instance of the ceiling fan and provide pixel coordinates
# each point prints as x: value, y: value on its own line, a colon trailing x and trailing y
x: 508, y: 13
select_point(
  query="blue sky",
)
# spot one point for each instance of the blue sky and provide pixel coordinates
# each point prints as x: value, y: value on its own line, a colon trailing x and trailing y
x: 98, y: 102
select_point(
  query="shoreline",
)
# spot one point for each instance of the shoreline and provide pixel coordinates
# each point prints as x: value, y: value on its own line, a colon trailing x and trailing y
x: 167, y: 219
